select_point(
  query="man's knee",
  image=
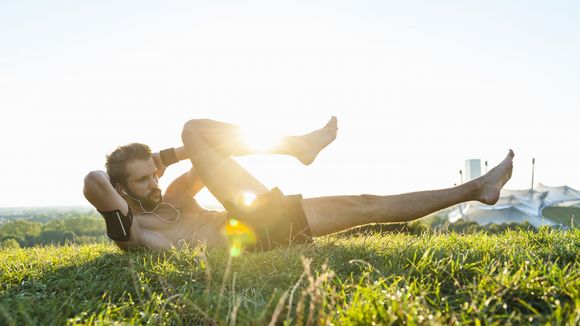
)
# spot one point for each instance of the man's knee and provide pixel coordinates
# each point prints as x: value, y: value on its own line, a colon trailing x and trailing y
x: 196, y: 124
x: 191, y: 130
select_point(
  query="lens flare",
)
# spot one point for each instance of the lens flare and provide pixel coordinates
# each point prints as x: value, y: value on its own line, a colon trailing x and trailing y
x: 248, y: 198
x: 260, y: 141
x: 239, y: 235
x: 235, y: 251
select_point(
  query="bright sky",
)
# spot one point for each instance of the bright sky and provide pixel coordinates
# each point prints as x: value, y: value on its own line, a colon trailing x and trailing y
x: 417, y: 86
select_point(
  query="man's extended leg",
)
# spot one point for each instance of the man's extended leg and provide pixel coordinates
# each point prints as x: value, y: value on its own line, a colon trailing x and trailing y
x: 211, y: 143
x: 327, y: 215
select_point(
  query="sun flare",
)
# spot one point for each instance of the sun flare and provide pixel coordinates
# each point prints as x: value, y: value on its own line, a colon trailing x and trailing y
x: 260, y: 140
x: 248, y: 198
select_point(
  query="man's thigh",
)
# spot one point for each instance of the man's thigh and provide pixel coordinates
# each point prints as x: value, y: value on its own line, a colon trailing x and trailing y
x: 225, y: 178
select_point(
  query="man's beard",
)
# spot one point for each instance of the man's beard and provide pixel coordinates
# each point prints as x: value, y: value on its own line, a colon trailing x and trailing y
x: 150, y: 202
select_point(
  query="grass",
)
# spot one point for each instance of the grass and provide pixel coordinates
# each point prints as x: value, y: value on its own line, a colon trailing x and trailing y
x: 569, y: 216
x: 518, y: 277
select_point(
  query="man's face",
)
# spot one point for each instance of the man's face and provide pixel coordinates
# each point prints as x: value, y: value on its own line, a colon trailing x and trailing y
x: 142, y: 182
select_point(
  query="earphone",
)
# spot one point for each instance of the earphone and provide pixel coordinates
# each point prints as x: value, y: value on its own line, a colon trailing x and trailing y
x: 153, y: 211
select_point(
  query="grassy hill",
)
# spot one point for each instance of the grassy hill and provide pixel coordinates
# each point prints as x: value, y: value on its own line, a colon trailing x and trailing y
x: 569, y: 216
x: 515, y: 277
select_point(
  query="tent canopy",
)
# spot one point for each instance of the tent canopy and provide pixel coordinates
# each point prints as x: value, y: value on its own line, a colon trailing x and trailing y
x: 518, y: 206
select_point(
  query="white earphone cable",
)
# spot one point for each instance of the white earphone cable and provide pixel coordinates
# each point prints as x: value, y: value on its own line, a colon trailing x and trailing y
x: 153, y: 211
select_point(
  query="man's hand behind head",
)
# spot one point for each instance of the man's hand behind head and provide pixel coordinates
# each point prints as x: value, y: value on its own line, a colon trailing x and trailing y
x: 160, y: 167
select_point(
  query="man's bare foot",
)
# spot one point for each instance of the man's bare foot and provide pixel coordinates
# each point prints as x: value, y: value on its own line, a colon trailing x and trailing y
x: 489, y: 185
x: 308, y: 146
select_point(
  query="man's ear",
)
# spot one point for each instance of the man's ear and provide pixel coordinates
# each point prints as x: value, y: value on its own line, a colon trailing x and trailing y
x: 120, y: 189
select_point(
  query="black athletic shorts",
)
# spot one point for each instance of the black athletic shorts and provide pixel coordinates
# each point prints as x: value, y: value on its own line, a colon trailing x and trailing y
x: 275, y: 219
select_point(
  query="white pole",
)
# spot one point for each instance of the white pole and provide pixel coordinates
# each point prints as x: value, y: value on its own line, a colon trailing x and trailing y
x: 533, y: 165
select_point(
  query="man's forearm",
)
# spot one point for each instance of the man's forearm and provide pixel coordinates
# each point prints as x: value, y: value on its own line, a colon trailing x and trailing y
x: 166, y: 157
x: 181, y: 153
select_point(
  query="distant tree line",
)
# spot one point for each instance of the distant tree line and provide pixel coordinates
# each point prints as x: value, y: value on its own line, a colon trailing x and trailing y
x: 440, y: 224
x: 43, y: 214
x: 27, y: 233
x: 77, y: 228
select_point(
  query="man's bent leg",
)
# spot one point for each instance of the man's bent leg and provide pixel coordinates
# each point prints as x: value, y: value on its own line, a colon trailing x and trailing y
x: 327, y: 215
x: 229, y: 141
x: 275, y: 219
x: 223, y: 177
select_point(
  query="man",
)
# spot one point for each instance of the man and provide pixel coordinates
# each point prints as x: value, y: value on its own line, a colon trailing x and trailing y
x: 138, y: 216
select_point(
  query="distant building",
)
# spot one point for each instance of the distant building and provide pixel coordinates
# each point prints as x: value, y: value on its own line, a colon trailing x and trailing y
x: 472, y: 169
x: 517, y: 206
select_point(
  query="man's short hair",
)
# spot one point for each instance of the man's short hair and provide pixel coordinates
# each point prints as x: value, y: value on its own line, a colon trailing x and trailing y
x: 117, y: 161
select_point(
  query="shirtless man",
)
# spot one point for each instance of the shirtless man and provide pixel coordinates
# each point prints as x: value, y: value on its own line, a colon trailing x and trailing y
x: 138, y: 216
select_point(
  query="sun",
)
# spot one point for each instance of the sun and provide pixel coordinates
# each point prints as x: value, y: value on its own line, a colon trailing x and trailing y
x: 260, y: 140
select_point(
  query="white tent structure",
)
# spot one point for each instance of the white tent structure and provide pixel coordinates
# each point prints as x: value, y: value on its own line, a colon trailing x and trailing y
x: 564, y: 195
x: 518, y: 206
x: 510, y: 214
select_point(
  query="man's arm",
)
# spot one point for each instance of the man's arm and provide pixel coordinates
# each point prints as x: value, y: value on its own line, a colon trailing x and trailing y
x: 186, y: 185
x: 180, y: 154
x: 101, y: 194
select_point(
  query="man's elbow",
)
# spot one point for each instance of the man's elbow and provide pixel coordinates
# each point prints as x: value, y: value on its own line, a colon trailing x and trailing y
x: 96, y: 177
x: 92, y: 181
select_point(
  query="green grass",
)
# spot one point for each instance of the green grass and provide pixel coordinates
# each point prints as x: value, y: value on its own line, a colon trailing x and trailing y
x: 569, y: 216
x: 516, y: 277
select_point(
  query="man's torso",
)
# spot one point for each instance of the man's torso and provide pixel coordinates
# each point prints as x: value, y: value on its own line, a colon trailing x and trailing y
x: 166, y: 228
